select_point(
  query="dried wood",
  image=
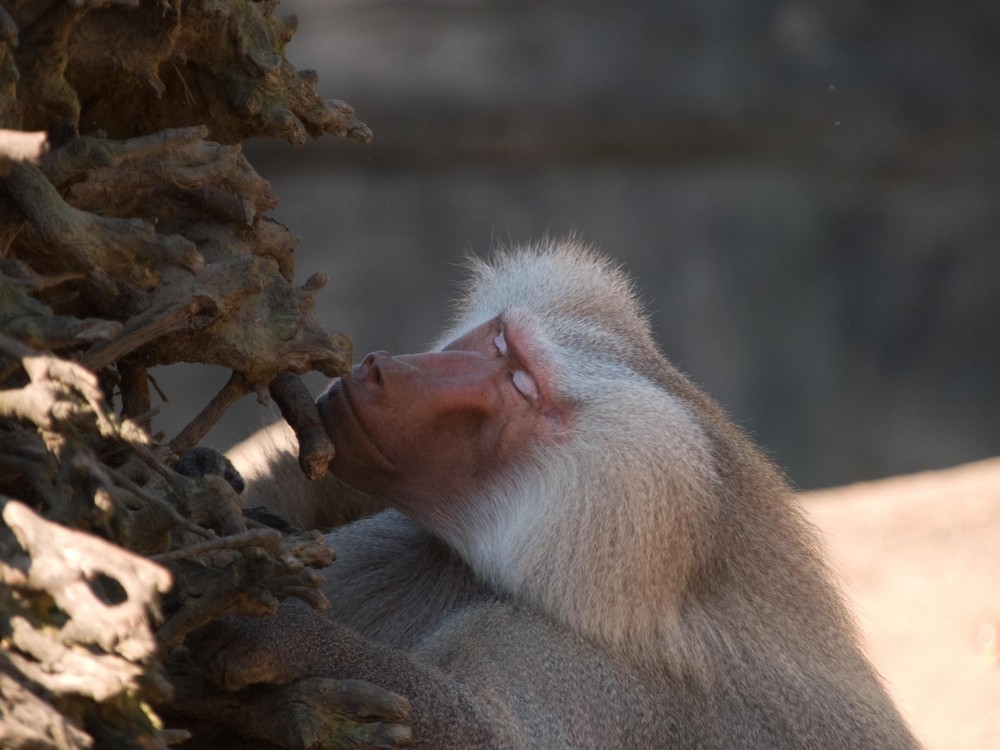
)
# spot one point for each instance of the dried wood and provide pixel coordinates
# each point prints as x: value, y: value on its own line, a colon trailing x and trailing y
x: 316, y: 450
x: 134, y: 233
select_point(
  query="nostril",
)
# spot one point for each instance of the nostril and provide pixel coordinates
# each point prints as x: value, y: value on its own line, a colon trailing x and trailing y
x: 371, y: 366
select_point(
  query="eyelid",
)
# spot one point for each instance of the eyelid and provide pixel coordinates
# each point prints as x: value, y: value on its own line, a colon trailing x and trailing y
x: 501, y: 343
x: 523, y: 381
x: 525, y: 384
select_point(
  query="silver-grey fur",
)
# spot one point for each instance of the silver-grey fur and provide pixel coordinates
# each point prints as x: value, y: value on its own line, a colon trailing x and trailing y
x: 648, y: 583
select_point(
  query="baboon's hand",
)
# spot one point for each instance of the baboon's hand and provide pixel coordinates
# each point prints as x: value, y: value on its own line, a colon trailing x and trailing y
x: 201, y: 461
x: 312, y: 708
x: 240, y: 651
x: 332, y: 713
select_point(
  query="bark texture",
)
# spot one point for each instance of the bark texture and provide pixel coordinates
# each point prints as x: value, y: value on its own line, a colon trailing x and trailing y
x: 134, y: 233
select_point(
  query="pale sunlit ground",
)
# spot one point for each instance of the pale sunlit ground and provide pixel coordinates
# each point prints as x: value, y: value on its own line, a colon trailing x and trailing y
x: 919, y: 557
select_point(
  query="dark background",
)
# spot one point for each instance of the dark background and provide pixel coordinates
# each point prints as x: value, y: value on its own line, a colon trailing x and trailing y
x: 807, y: 193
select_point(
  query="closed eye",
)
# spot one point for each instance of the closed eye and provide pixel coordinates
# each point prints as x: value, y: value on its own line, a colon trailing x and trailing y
x: 525, y: 384
x: 522, y: 379
x: 501, y: 344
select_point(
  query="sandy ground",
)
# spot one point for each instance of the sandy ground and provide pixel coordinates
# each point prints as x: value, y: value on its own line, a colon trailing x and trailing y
x: 920, y: 559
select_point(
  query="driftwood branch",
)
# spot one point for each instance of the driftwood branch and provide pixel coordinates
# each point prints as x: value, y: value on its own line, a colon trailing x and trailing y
x: 136, y: 401
x: 144, y: 329
x: 59, y: 392
x: 316, y: 451
x: 239, y: 572
x: 235, y: 388
x: 134, y: 233
x: 269, y: 539
x: 85, y: 242
x: 102, y: 648
x: 65, y: 564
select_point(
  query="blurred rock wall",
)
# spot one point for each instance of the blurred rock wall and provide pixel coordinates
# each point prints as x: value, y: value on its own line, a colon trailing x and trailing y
x: 808, y: 194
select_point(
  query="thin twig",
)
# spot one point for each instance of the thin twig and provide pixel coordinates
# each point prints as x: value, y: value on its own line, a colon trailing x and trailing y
x: 269, y: 539
x: 173, y: 320
x: 197, y: 428
x: 316, y: 450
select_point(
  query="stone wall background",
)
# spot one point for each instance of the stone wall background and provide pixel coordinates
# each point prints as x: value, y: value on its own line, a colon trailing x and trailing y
x: 808, y: 194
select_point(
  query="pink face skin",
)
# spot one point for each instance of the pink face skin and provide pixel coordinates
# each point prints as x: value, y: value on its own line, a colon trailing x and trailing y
x: 422, y: 429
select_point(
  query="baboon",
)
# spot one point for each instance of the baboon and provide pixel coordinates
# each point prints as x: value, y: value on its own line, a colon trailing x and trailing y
x: 581, y: 550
